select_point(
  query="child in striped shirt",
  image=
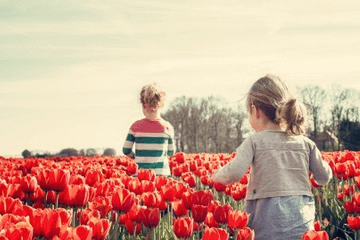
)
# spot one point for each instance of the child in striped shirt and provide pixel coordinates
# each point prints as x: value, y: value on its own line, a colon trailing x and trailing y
x: 152, y: 135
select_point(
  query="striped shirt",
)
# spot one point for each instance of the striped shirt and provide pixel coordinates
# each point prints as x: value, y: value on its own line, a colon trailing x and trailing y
x: 154, y: 141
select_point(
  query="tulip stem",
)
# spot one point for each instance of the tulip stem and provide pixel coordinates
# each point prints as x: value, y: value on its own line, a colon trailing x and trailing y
x: 169, y: 214
x: 56, y: 200
x: 45, y: 198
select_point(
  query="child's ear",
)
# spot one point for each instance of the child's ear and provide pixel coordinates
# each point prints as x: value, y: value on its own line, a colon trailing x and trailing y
x: 257, y: 111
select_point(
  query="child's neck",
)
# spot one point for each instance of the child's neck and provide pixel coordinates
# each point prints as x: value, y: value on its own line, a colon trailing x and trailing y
x: 271, y: 126
x: 153, y: 115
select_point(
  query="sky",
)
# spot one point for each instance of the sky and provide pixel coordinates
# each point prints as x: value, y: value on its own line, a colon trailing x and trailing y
x: 71, y: 71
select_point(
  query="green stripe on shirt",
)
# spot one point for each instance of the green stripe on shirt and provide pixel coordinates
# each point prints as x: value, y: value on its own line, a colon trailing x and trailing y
x: 151, y: 165
x: 130, y: 138
x: 149, y: 153
x: 159, y: 140
x: 127, y: 151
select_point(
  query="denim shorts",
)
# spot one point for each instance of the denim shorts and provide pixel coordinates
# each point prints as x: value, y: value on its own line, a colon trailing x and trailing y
x: 281, y: 218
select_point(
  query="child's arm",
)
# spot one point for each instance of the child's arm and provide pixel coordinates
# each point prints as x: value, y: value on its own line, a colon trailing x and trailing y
x: 128, y: 144
x: 321, y: 170
x: 171, y: 144
x: 234, y: 170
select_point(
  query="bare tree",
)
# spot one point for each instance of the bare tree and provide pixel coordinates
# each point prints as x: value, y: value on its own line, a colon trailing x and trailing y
x: 337, y: 108
x: 203, y: 125
x: 313, y: 97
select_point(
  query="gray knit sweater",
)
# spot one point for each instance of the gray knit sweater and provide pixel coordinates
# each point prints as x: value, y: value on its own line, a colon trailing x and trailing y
x: 280, y: 165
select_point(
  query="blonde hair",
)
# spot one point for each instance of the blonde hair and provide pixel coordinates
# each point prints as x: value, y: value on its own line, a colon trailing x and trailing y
x: 273, y: 98
x: 152, y: 95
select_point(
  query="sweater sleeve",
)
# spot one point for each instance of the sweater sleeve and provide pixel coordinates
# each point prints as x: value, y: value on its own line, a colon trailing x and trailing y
x: 128, y: 144
x: 235, y: 169
x: 321, y: 170
x: 171, y: 144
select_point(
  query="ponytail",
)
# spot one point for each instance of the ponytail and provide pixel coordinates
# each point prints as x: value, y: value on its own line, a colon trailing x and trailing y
x: 294, y: 115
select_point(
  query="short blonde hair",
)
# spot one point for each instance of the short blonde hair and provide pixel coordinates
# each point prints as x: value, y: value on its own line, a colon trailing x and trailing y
x: 271, y: 95
x: 152, y: 95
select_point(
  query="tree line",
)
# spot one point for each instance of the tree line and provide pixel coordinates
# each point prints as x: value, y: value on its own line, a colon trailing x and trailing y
x: 206, y: 124
x: 335, y: 112
x: 210, y: 125
x: 66, y: 152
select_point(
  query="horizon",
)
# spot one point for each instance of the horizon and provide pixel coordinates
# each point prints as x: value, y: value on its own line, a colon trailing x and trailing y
x: 71, y: 72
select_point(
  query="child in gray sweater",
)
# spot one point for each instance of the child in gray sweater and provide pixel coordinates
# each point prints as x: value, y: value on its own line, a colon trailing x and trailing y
x: 279, y: 198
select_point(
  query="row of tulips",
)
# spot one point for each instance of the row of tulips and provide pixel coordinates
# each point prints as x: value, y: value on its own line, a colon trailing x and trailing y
x: 102, y: 198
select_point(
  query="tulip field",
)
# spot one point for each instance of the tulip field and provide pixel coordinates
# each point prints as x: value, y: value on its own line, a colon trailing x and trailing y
x: 101, y: 198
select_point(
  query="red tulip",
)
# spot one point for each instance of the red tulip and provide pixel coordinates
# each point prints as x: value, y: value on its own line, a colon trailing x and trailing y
x: 19, y: 230
x: 187, y: 198
x: 353, y: 222
x: 3, y: 188
x: 35, y: 218
x: 9, y: 205
x: 161, y: 181
x: 51, y: 223
x: 245, y: 234
x: 199, y: 212
x: 81, y: 232
x: 87, y: 214
x: 132, y: 227
x: 103, y: 188
x: 245, y: 179
x: 219, y: 187
x: 168, y: 192
x: 179, y: 208
x: 180, y: 188
x: 213, y: 205
x: 190, y: 180
x: 122, y: 200
x: 210, y: 220
x: 176, y: 171
x: 160, y: 203
x: 93, y: 176
x: 51, y: 197
x: 349, y: 207
x: 315, y: 235
x: 183, y: 227
x: 134, y: 186
x: 134, y: 213
x: 146, y: 174
x: 42, y: 175
x: 14, y: 191
x: 317, y: 226
x: 179, y: 157
x: 221, y: 213
x: 132, y: 168
x: 146, y: 186
x: 59, y: 179
x: 77, y: 179
x: 123, y: 218
x: 215, y: 234
x: 149, y: 199
x: 150, y: 217
x: 202, y: 197
x: 238, y: 219
x: 239, y: 193
x: 37, y: 195
x: 100, y: 228
x: 205, y: 180
x: 75, y: 195
x: 28, y: 184
x: 102, y: 204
